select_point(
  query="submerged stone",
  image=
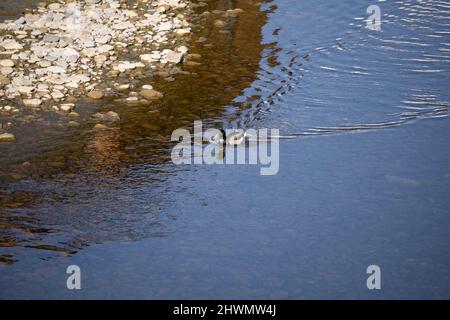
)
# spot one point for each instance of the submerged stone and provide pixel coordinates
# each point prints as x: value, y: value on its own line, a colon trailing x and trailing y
x: 32, y: 102
x: 95, y: 94
x: 73, y: 124
x: 7, y: 137
x: 151, y: 94
x: 100, y: 126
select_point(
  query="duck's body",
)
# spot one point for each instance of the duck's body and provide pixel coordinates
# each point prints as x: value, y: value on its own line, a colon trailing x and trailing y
x: 233, y: 138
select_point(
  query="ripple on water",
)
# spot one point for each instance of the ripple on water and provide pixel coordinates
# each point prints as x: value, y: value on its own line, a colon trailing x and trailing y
x: 339, y: 76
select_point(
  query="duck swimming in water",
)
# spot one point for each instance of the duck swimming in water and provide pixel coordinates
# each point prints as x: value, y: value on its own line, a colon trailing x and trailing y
x: 239, y: 136
x: 233, y: 138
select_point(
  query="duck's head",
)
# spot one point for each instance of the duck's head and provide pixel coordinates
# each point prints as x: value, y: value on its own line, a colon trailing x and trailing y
x: 224, y: 134
x: 220, y: 137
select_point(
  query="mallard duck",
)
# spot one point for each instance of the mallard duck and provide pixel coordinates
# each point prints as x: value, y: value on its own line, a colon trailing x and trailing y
x: 233, y: 138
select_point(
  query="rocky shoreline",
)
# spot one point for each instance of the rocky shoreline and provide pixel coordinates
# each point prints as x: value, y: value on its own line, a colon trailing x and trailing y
x: 70, y: 50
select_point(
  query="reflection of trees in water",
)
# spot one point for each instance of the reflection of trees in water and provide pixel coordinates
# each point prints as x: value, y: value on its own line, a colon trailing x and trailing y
x: 88, y: 190
x: 105, y: 149
x: 66, y: 214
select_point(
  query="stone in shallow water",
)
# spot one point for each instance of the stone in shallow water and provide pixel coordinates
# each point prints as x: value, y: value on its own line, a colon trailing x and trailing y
x: 234, y: 11
x: 73, y: 124
x: 183, y: 31
x: 95, y: 94
x: 100, y: 126
x: 219, y: 23
x: 31, y: 102
x: 151, y: 94
x: 193, y: 63
x: 172, y: 56
x: 139, y: 65
x: 182, y: 49
x: 73, y: 115
x: 67, y: 107
x: 112, y: 116
x: 7, y: 137
x: 123, y: 87
x: 132, y: 100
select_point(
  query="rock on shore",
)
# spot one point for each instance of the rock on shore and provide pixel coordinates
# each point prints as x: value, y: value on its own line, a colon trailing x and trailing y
x: 66, y: 48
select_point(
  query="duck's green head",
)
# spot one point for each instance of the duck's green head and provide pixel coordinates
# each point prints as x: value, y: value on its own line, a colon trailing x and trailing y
x: 220, y: 136
x: 224, y: 134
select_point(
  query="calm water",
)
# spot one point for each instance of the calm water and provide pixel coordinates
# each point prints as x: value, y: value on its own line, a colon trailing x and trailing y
x: 365, y: 181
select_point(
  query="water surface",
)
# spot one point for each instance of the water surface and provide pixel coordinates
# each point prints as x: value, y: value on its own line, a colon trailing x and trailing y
x: 365, y: 181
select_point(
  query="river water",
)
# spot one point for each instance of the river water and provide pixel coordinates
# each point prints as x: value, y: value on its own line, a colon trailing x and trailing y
x: 364, y: 180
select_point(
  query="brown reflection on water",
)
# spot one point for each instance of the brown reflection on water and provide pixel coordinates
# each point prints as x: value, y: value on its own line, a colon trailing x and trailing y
x: 59, y: 186
x: 105, y: 148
